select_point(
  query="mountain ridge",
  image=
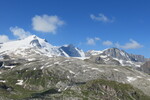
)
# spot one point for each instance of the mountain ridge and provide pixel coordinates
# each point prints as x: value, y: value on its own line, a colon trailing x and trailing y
x: 40, y: 46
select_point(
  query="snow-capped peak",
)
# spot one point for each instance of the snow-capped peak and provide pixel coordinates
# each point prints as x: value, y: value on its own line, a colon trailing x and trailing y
x: 31, y: 41
x: 41, y: 45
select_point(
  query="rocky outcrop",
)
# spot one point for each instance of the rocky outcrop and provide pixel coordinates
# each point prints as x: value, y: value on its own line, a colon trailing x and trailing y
x: 122, y: 55
x: 145, y: 67
x: 117, y: 56
x: 35, y: 43
x: 137, y: 58
x: 107, y: 61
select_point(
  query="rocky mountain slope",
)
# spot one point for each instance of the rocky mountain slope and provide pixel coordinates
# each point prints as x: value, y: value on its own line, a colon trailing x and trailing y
x: 145, y: 67
x: 115, y: 54
x: 43, y: 77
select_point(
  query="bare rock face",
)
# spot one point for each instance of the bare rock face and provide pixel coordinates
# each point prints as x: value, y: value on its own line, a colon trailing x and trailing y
x: 35, y: 43
x: 107, y: 61
x: 96, y: 59
x: 1, y: 63
x: 116, y: 56
x: 122, y: 55
x: 146, y: 67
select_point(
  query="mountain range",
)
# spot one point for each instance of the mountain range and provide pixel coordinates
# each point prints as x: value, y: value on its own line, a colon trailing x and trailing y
x: 41, y: 46
x: 33, y: 69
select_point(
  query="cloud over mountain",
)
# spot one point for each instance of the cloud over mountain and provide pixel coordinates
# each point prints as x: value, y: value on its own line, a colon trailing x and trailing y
x: 3, y: 38
x: 19, y: 32
x: 92, y: 41
x: 46, y: 23
x: 132, y: 44
x: 107, y: 43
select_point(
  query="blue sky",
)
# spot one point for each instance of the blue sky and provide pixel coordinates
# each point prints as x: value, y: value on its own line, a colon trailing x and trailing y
x: 88, y: 24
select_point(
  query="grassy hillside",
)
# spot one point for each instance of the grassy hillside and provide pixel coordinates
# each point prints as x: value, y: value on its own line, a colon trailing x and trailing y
x: 42, y: 85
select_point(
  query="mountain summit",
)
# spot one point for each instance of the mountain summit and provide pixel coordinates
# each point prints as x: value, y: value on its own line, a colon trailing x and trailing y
x: 124, y: 58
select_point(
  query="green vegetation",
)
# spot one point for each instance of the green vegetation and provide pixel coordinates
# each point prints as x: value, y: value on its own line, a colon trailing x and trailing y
x: 110, y: 89
x: 106, y: 90
x: 39, y: 84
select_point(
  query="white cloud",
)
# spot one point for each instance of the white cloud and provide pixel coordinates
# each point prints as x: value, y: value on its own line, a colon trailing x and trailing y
x: 96, y: 38
x: 107, y: 43
x: 101, y: 17
x: 132, y: 44
x: 46, y: 24
x: 19, y: 32
x: 92, y: 41
x: 3, y: 38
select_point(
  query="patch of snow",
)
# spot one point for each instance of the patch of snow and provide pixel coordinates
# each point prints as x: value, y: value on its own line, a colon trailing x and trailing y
x: 103, y: 56
x: 70, y: 62
x: 34, y: 68
x: 20, y: 82
x: 71, y: 72
x: 130, y: 62
x: 82, y: 54
x: 68, y: 77
x: 42, y: 67
x: 121, y: 61
x: 2, y: 81
x: 138, y: 65
x: 85, y: 70
x: 49, y: 65
x: 66, y: 61
x: 127, y: 63
x: 20, y: 52
x: 82, y: 58
x: 9, y: 67
x: 56, y: 63
x: 59, y: 90
x: 106, y: 59
x: 31, y: 59
x: 115, y: 69
x: 66, y: 87
x: 96, y: 69
x: 94, y: 52
x: 122, y: 53
x: 139, y: 76
x: 65, y: 54
x: 130, y: 79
